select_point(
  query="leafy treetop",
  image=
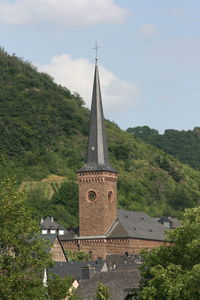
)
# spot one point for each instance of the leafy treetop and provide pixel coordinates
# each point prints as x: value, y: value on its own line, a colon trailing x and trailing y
x: 173, y: 272
x: 23, y: 255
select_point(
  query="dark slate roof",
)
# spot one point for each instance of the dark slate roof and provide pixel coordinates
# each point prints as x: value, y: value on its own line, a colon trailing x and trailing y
x: 97, y: 153
x: 49, y: 237
x: 123, y: 262
x: 129, y: 224
x: 49, y: 223
x: 119, y: 283
x: 68, y: 235
x: 136, y: 225
x: 74, y: 269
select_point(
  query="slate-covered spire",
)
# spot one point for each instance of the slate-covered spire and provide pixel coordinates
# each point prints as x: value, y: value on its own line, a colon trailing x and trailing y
x: 97, y: 153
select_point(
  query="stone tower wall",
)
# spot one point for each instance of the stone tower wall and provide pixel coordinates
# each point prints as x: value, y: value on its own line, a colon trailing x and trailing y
x: 96, y: 216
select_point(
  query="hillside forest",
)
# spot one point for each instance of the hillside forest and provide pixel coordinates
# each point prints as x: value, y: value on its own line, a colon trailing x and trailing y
x: 44, y: 128
x: 184, y: 145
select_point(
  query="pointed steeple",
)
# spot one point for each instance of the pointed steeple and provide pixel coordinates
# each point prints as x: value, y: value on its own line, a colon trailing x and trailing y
x: 97, y: 153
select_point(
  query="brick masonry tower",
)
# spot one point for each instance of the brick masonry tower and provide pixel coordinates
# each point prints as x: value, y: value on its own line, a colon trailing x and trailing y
x: 97, y: 179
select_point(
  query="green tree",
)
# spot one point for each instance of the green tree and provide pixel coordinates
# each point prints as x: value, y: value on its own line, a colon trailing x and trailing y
x: 184, y: 145
x: 37, y: 199
x: 67, y: 195
x: 102, y: 292
x: 142, y: 131
x: 173, y: 272
x: 58, y: 288
x: 23, y: 255
x: 77, y: 255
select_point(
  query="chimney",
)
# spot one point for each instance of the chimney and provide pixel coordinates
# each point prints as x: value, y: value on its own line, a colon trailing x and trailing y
x: 88, y: 272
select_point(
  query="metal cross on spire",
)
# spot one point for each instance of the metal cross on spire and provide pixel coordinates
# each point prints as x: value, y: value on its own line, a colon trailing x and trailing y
x: 96, y: 50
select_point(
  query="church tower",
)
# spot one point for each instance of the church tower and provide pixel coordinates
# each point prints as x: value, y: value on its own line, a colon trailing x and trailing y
x: 97, y: 179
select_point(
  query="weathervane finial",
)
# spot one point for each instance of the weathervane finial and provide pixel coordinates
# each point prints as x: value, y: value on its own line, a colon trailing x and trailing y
x: 96, y: 50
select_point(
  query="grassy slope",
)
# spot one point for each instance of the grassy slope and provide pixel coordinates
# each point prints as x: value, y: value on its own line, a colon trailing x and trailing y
x: 43, y: 131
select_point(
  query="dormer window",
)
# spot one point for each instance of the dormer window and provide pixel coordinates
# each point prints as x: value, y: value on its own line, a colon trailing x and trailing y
x: 61, y: 232
x: 49, y: 226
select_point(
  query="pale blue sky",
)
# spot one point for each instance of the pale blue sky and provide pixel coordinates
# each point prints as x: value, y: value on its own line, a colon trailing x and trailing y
x: 149, y: 57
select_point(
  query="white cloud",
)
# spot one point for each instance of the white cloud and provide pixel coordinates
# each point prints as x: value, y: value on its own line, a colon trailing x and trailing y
x: 63, y: 12
x: 148, y: 30
x: 77, y: 75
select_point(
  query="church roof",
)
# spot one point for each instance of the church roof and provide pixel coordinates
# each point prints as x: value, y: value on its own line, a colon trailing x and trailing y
x: 97, y: 152
x: 130, y: 224
x: 136, y: 225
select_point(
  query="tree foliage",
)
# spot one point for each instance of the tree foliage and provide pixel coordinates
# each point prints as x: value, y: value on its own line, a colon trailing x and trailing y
x: 184, y: 145
x: 143, y: 131
x: 102, y: 292
x: 63, y: 205
x: 77, y: 255
x: 173, y: 272
x: 23, y: 256
x: 61, y: 288
x: 67, y: 195
x: 37, y: 121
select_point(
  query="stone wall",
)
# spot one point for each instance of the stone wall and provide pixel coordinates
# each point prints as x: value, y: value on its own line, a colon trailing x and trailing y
x: 103, y: 247
x: 57, y: 252
x: 138, y: 245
